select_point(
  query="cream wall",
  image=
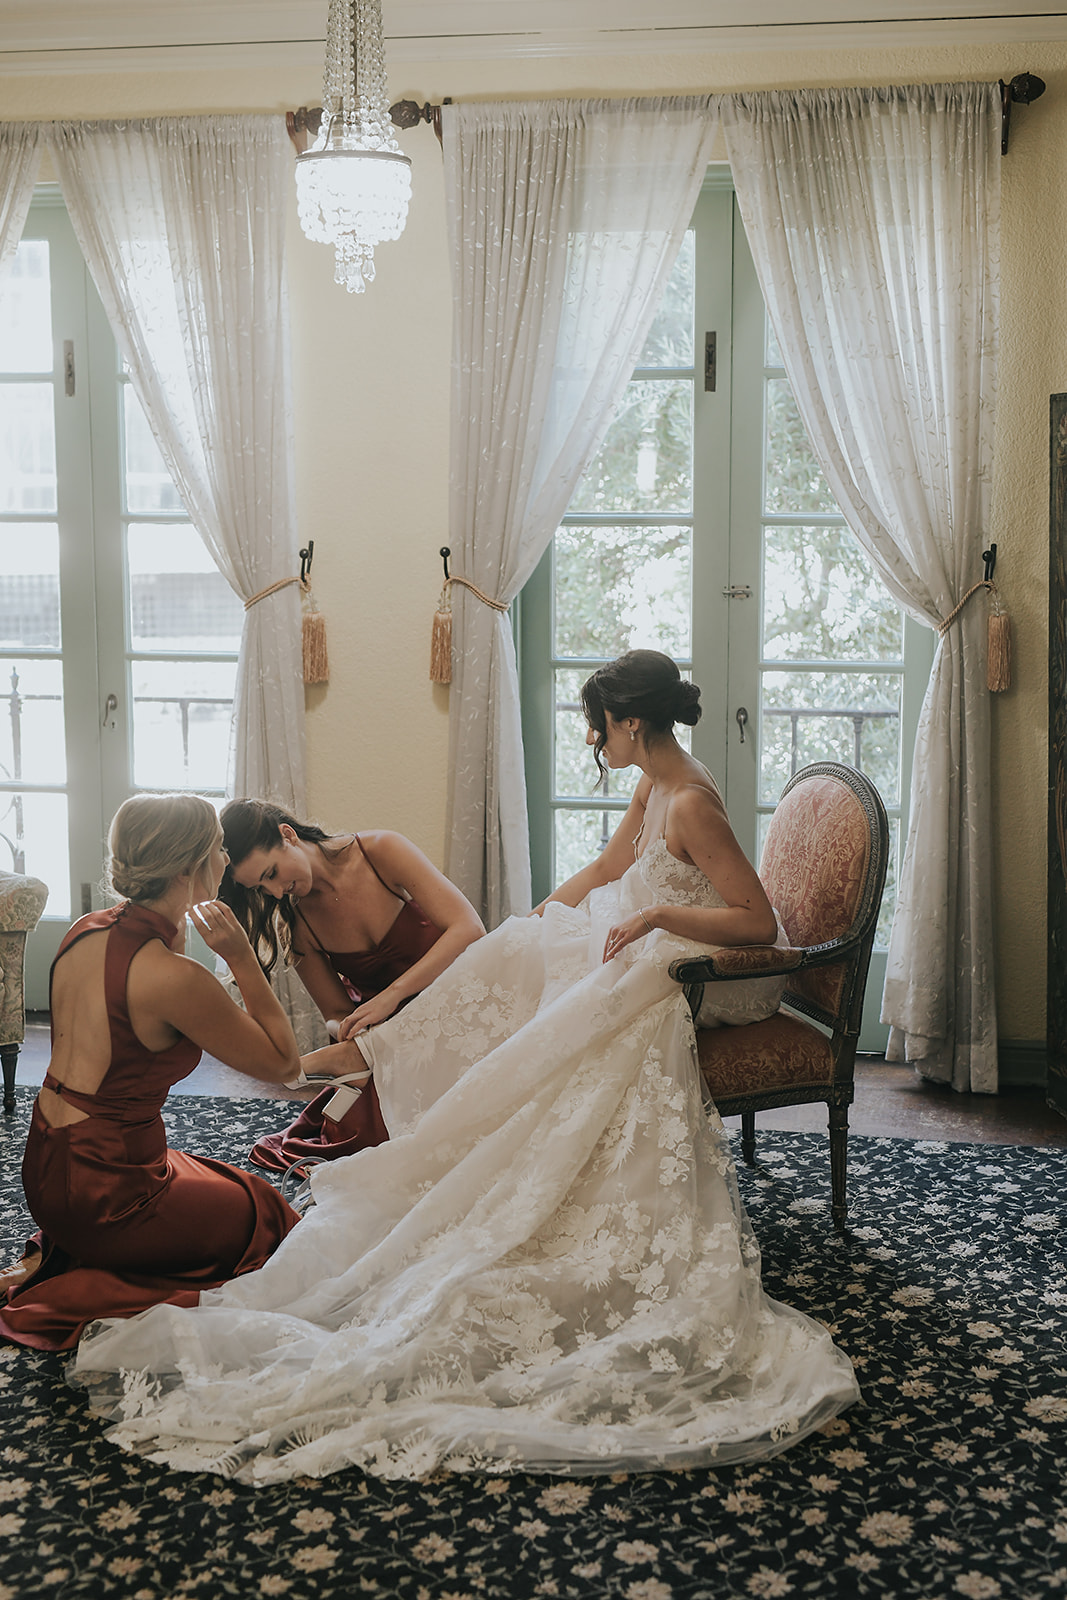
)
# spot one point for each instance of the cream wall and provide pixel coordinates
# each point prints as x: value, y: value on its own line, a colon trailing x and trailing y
x: 371, y: 390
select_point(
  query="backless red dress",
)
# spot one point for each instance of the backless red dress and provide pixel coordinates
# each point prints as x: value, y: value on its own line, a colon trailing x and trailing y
x: 126, y: 1222
x: 364, y: 973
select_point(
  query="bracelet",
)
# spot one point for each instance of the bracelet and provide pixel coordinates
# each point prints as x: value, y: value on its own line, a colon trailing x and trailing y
x: 644, y: 919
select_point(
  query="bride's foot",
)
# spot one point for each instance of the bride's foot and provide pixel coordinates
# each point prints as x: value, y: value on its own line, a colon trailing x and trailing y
x: 335, y: 1063
x: 11, y: 1277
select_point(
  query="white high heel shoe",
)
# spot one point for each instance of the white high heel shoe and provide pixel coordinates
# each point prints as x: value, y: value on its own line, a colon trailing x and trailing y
x: 349, y: 1088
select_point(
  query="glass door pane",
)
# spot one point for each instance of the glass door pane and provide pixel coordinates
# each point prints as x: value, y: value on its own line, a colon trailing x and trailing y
x: 831, y: 645
x: 33, y: 765
x: 118, y: 636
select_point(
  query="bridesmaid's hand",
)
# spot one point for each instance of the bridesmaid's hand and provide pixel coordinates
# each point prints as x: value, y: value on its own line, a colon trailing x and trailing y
x: 624, y: 933
x: 220, y: 930
x: 368, y: 1014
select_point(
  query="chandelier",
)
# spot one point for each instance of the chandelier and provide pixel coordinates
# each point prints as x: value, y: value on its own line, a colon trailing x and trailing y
x: 353, y: 184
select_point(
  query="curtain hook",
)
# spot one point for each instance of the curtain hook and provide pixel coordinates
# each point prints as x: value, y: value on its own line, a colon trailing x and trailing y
x: 306, y: 557
x: 990, y: 558
x: 444, y: 553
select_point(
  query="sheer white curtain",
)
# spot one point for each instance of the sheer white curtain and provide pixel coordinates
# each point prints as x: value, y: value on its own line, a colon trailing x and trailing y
x: 182, y: 222
x: 873, y: 217
x: 20, y: 157
x: 564, y: 221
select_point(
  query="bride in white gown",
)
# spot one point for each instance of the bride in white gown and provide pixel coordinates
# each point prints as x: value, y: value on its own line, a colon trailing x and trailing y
x: 548, y: 1268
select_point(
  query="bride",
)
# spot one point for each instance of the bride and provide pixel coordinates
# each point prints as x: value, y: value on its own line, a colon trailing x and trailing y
x: 548, y: 1268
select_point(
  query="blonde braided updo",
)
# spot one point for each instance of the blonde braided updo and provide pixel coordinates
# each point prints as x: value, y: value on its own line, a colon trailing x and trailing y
x: 155, y: 837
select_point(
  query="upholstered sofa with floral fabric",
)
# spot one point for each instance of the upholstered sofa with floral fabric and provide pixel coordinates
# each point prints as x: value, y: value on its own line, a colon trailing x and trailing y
x: 22, y: 900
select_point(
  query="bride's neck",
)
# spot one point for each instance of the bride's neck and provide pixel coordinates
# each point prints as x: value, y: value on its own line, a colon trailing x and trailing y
x: 665, y: 763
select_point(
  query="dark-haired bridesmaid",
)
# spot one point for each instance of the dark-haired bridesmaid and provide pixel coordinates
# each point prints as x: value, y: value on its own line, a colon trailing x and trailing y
x: 367, y: 921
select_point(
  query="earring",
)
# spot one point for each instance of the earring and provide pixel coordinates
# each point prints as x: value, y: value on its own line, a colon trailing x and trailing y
x: 633, y: 735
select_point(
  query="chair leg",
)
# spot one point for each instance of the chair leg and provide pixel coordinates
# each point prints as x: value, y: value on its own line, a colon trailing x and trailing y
x: 9, y: 1054
x: 748, y: 1137
x: 838, y: 1163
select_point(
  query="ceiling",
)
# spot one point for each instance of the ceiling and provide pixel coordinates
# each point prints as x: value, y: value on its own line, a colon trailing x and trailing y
x: 111, y: 35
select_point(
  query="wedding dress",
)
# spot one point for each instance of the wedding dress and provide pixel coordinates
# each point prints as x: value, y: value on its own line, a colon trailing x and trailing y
x: 547, y: 1269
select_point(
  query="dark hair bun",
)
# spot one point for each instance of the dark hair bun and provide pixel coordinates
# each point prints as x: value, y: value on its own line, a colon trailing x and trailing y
x: 687, y: 707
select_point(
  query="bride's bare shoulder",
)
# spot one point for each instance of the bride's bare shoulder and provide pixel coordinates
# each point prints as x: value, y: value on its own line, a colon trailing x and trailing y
x: 697, y: 781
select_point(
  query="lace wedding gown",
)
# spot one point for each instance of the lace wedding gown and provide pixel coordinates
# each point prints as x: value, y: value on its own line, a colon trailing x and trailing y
x: 547, y: 1269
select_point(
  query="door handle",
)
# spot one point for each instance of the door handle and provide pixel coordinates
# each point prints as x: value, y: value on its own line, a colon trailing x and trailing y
x: 741, y: 718
x: 111, y: 705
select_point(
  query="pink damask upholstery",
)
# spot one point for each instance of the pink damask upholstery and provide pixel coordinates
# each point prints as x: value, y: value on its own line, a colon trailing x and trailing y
x: 824, y: 869
x: 784, y: 1052
x: 814, y: 868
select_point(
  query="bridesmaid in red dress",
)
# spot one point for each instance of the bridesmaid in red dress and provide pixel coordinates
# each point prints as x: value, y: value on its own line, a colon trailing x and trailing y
x: 368, y: 922
x: 126, y: 1222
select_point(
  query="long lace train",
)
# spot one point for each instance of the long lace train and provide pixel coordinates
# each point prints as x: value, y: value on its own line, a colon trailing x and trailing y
x: 548, y: 1268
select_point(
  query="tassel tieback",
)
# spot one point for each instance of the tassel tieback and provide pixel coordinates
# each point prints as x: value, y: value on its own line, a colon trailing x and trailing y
x: 441, y: 638
x: 998, y: 661
x: 315, y: 659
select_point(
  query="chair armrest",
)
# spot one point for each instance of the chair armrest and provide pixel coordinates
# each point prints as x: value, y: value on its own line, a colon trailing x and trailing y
x: 22, y: 900
x: 760, y: 961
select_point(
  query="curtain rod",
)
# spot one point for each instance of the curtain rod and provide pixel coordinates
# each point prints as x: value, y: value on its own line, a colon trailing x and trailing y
x: 303, y: 125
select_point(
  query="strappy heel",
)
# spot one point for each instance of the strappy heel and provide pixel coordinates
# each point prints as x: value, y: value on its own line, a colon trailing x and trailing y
x: 349, y: 1088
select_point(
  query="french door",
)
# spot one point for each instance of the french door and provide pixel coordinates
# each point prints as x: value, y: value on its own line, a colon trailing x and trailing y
x: 704, y: 528
x: 118, y: 635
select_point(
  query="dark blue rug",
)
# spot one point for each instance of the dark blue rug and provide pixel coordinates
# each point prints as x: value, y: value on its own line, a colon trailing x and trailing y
x: 948, y: 1480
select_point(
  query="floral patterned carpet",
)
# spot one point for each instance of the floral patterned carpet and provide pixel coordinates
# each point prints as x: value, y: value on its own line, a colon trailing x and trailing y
x: 948, y: 1480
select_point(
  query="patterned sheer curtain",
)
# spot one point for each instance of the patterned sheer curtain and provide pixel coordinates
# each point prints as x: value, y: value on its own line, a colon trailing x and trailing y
x: 873, y: 217
x: 20, y: 157
x: 564, y: 221
x: 182, y: 223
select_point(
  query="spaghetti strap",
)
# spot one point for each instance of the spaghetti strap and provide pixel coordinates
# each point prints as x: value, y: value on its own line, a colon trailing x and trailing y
x: 401, y: 895
x: 319, y: 946
x: 374, y: 869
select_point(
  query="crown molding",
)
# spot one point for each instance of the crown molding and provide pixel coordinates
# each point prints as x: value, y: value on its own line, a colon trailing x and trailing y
x: 115, y: 36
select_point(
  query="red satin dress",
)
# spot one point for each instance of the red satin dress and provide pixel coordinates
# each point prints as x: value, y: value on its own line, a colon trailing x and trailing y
x: 125, y: 1222
x: 364, y: 973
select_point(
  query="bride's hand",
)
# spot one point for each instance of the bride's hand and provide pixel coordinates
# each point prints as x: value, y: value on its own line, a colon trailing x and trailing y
x: 624, y: 933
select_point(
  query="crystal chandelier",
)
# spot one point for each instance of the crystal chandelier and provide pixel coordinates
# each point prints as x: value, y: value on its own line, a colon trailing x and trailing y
x: 353, y: 185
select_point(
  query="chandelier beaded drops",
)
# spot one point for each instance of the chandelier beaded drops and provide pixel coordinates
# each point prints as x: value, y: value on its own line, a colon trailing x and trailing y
x: 353, y: 184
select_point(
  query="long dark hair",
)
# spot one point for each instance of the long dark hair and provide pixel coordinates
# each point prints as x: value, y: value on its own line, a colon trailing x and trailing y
x: 644, y: 684
x: 249, y: 825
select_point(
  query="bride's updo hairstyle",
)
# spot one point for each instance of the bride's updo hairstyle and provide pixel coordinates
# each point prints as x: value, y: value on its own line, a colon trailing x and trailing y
x: 249, y: 825
x: 153, y: 838
x: 644, y: 684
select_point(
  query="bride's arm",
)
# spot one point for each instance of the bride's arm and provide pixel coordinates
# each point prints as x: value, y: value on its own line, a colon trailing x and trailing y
x: 613, y: 860
x: 699, y: 831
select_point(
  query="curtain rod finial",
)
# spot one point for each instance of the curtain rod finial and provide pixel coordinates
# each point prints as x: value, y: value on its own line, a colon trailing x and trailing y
x: 1023, y: 90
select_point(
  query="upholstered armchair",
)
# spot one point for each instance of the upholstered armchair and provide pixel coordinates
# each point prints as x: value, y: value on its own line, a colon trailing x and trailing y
x: 21, y: 902
x: 823, y: 866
